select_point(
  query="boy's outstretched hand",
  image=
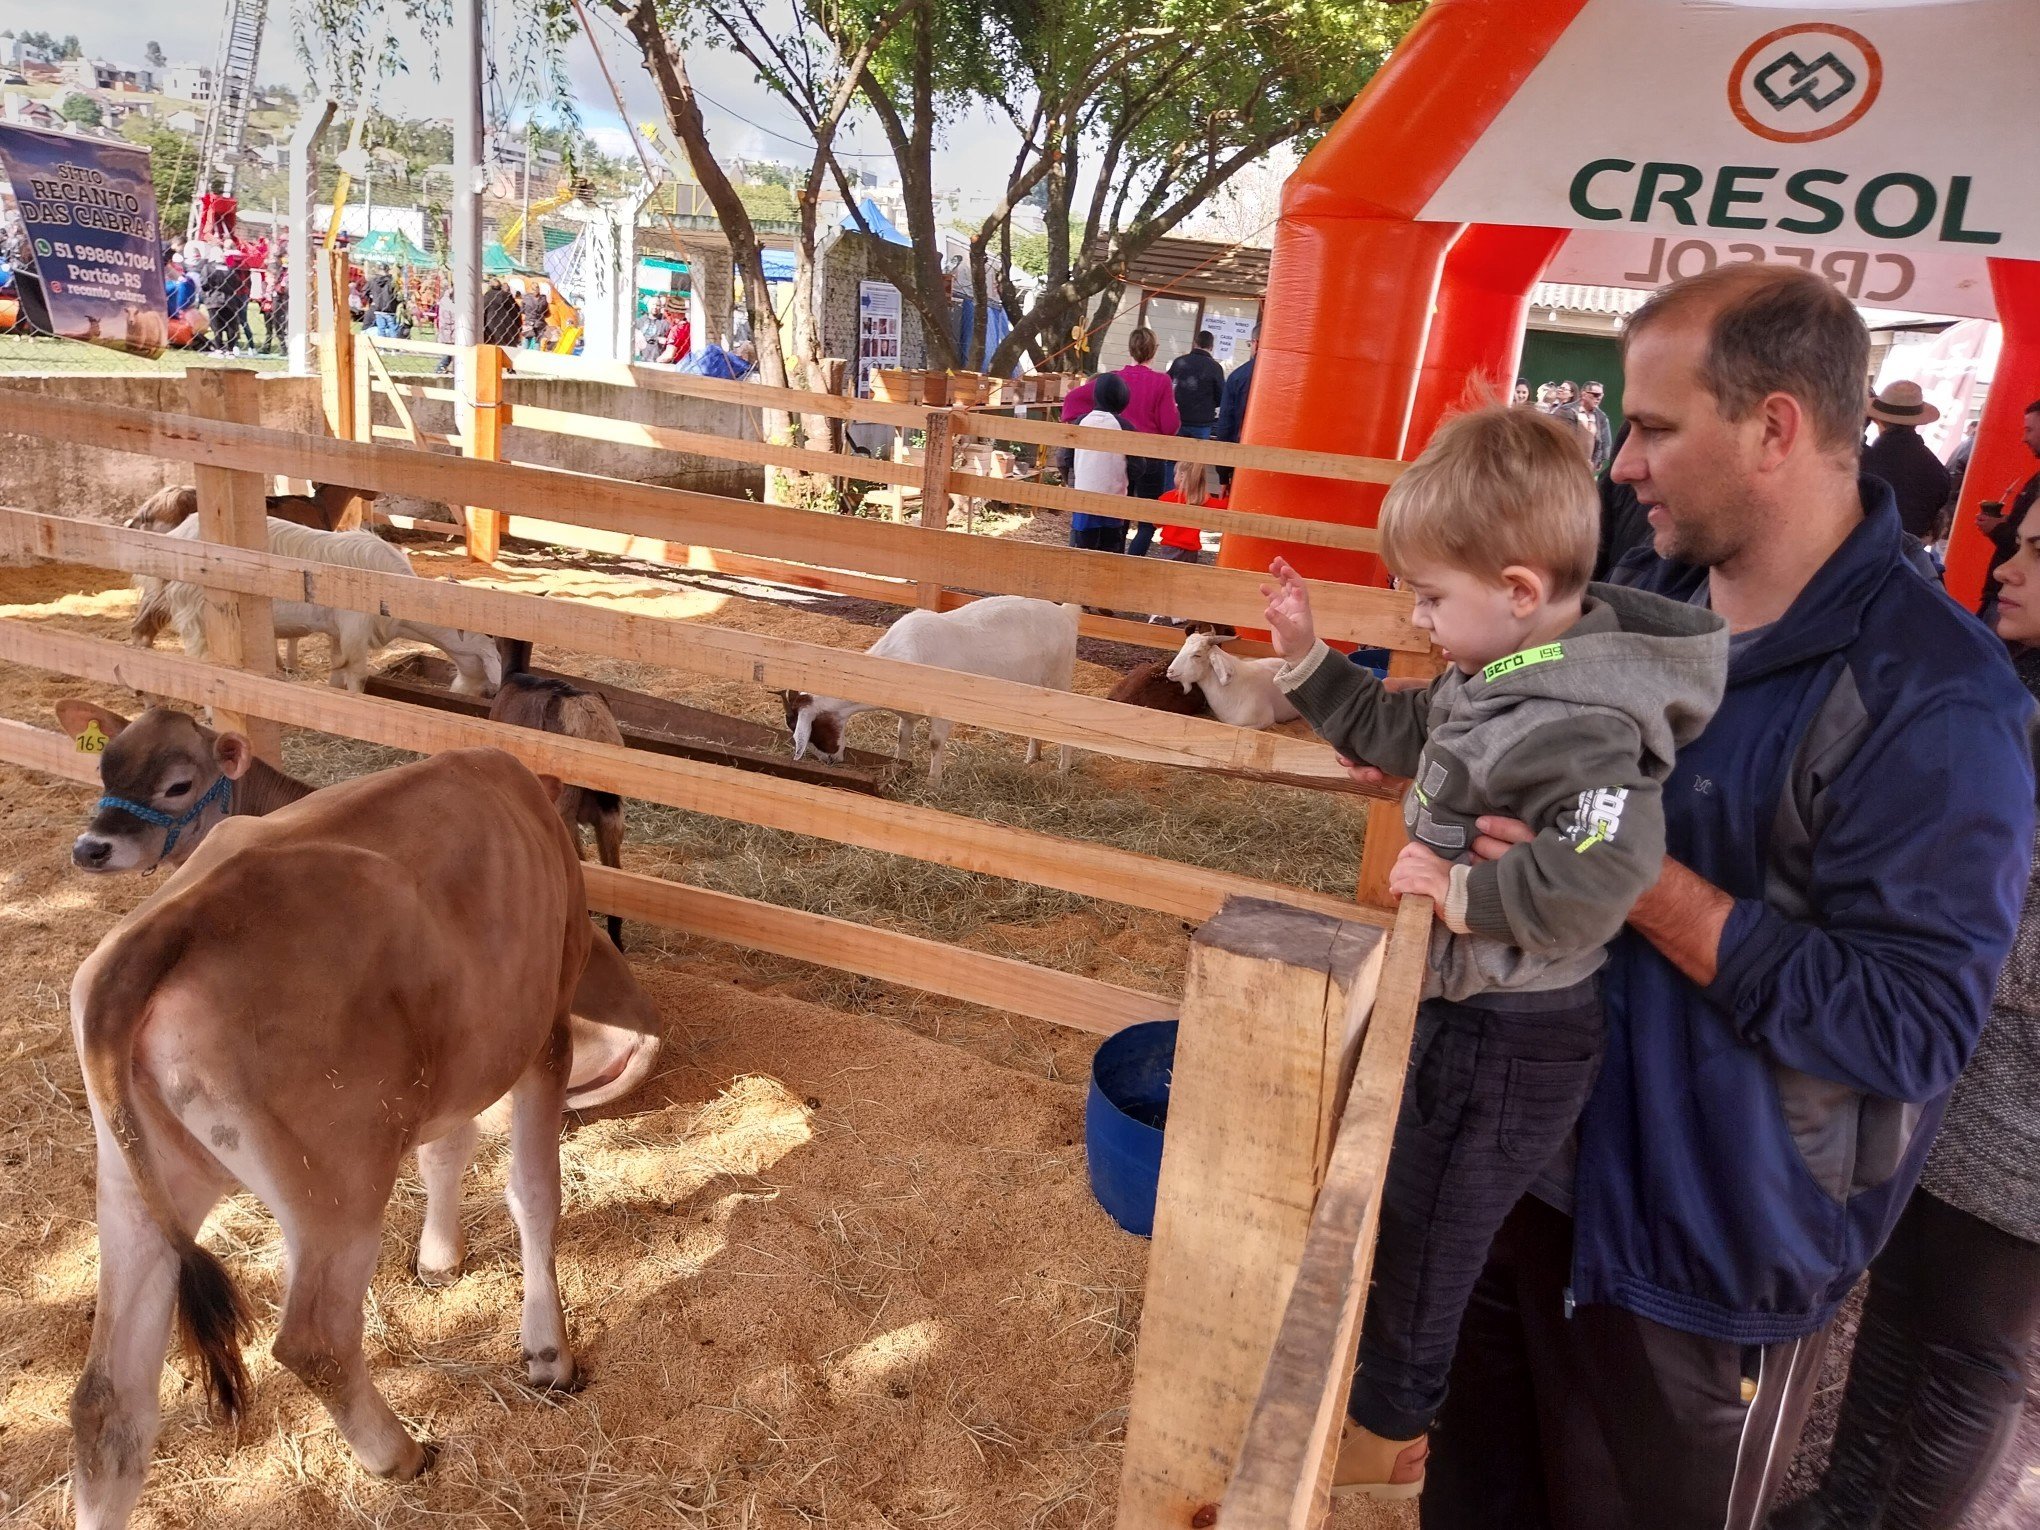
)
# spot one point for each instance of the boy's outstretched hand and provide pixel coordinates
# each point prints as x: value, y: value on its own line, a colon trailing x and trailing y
x: 1420, y: 872
x: 1288, y: 613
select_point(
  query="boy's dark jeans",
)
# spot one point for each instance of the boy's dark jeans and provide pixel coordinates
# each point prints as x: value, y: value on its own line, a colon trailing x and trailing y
x: 1495, y: 1084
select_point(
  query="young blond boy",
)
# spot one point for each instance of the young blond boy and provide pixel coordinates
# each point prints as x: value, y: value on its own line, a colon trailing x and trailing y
x: 1563, y: 705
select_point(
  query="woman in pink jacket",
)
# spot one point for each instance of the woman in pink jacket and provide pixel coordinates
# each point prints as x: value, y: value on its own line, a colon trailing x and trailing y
x: 1151, y: 409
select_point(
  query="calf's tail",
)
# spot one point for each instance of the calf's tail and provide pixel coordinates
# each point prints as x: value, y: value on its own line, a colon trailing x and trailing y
x: 212, y: 1315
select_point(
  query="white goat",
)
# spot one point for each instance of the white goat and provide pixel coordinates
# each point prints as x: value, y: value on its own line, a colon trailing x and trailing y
x: 1242, y: 692
x: 1007, y: 637
x: 356, y: 635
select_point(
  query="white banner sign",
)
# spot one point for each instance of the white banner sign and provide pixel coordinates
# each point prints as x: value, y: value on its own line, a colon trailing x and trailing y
x: 1870, y: 127
x: 1871, y: 278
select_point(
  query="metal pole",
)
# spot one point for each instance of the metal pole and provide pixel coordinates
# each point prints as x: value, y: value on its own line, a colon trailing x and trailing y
x: 467, y: 168
x: 304, y: 190
x: 524, y: 223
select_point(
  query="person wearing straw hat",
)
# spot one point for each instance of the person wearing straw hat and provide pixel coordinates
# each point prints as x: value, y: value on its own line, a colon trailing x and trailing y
x: 1917, y: 477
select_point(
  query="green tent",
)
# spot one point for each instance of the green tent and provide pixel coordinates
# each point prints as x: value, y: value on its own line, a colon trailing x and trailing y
x: 387, y: 246
x: 496, y: 261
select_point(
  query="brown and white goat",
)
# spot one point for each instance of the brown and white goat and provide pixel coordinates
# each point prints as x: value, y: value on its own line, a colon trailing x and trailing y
x: 322, y: 509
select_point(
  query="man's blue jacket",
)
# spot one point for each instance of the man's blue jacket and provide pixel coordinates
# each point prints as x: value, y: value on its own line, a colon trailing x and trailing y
x: 1865, y: 794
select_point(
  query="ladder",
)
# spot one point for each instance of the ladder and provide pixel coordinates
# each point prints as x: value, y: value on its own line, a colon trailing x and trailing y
x: 233, y: 93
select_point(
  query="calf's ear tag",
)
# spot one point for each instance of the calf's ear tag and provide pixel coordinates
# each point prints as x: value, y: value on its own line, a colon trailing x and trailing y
x: 92, y: 740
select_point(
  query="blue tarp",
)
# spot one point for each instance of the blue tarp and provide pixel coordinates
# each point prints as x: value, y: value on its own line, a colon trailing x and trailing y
x: 714, y: 361
x: 878, y: 223
x: 996, y: 329
x: 778, y: 265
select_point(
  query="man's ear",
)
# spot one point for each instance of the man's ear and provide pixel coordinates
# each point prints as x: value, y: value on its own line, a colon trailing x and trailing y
x: 234, y: 754
x: 91, y: 727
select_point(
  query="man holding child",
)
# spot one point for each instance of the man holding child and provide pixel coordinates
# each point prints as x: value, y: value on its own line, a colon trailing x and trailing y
x: 1805, y: 970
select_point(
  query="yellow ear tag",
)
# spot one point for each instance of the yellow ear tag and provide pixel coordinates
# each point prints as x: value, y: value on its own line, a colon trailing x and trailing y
x: 92, y: 740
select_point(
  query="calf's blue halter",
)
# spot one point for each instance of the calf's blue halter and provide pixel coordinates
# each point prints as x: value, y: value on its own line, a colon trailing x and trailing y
x: 161, y: 820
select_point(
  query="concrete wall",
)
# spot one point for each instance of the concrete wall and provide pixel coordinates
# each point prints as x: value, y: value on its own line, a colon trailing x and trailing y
x: 59, y: 478
x: 92, y: 483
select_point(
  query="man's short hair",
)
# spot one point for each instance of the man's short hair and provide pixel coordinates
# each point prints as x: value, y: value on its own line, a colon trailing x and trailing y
x: 2032, y: 408
x: 1204, y: 340
x: 1600, y: 387
x: 1111, y: 394
x: 1497, y: 487
x: 1774, y: 329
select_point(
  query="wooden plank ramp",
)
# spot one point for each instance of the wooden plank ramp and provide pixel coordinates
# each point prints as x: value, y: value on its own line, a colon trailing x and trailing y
x: 654, y: 723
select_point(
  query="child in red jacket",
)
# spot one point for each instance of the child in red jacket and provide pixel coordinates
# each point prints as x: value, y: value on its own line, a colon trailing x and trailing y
x: 1185, y: 544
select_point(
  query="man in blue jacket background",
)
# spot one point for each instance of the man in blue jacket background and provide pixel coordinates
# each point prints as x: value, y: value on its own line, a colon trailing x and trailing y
x: 1848, y: 847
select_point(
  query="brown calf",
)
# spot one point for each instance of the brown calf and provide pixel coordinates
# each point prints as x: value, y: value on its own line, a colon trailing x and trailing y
x: 165, y: 761
x: 555, y: 706
x: 221, y: 1045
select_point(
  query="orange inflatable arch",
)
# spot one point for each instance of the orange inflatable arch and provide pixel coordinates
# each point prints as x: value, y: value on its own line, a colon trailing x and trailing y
x: 1377, y: 322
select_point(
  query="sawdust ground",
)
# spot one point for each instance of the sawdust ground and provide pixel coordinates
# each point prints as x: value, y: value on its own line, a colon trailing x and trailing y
x: 827, y: 1268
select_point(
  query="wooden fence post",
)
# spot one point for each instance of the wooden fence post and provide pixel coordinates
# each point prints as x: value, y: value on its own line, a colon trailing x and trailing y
x: 341, y: 396
x: 1272, y: 1011
x: 480, y: 422
x: 1385, y: 834
x: 936, y: 463
x: 233, y: 508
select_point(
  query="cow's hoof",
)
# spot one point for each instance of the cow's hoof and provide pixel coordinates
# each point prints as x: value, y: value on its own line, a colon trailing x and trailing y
x: 415, y: 1463
x: 428, y: 1276
x: 553, y: 1370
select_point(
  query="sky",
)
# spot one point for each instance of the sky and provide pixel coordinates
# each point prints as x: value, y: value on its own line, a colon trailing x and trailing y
x: 744, y: 119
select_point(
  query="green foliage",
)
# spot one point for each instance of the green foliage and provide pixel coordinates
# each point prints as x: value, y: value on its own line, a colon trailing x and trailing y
x: 173, y: 167
x: 1030, y: 252
x: 768, y: 203
x: 66, y: 48
x: 83, y: 110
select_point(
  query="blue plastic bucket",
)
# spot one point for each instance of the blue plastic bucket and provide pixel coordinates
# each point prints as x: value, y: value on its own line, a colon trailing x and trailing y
x: 1124, y: 1115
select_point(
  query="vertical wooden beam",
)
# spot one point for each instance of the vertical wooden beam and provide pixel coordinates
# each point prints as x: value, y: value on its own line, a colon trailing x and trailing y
x: 480, y: 414
x: 936, y: 463
x: 1269, y: 1020
x: 340, y: 369
x: 233, y: 508
x: 1385, y: 834
x: 1284, y: 1476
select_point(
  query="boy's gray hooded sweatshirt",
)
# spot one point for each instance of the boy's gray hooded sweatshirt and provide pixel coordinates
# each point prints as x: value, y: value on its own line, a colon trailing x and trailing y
x: 1575, y: 738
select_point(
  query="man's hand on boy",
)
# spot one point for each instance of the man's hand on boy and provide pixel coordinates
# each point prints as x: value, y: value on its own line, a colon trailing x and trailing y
x: 1288, y: 614
x: 1420, y: 872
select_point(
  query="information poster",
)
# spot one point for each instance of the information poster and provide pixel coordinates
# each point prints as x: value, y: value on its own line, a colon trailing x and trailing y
x: 1229, y: 337
x: 878, y: 331
x: 89, y: 211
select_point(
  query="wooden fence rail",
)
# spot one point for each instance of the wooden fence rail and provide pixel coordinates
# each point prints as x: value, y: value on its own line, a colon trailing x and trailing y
x: 773, y: 663
x: 1371, y: 617
x: 930, y: 966
x: 870, y: 823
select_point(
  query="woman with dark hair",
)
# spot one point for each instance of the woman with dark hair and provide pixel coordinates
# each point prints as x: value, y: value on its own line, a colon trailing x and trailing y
x: 1938, y: 1379
x: 1151, y: 409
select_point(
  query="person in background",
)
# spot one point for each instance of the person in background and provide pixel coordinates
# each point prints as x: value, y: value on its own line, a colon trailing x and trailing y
x: 1958, y: 469
x: 1568, y: 394
x: 654, y: 328
x: 1232, y: 409
x: 1522, y: 391
x: 1898, y: 456
x: 1938, y: 1379
x: 276, y: 338
x: 380, y: 297
x: 534, y: 307
x: 2003, y: 528
x: 1098, y: 472
x: 1185, y: 544
x: 1151, y: 410
x: 1547, y: 396
x: 1594, y: 427
x: 502, y: 319
x: 679, y: 341
x: 1199, y: 382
